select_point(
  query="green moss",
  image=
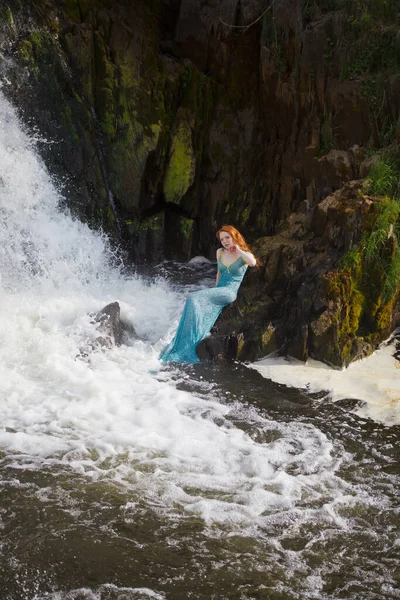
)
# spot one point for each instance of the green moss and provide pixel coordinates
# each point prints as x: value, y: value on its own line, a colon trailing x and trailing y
x: 267, y: 341
x: 25, y: 50
x: 152, y: 223
x: 384, y: 316
x: 27, y: 55
x: 240, y: 345
x: 7, y: 15
x: 129, y: 77
x: 180, y: 170
x: 357, y: 302
x: 37, y: 39
x: 35, y: 52
x: 186, y: 227
x: 347, y: 308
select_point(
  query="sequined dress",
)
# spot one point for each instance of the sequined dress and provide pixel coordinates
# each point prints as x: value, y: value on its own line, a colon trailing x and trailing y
x: 201, y: 310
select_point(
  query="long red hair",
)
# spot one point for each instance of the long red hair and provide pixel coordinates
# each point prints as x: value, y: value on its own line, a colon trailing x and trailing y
x: 237, y: 238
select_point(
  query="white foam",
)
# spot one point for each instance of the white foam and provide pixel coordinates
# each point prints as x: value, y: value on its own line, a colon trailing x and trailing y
x: 374, y: 380
x: 108, y: 590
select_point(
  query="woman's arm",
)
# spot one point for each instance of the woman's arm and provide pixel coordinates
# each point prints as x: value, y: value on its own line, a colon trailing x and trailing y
x: 248, y: 257
x: 218, y: 273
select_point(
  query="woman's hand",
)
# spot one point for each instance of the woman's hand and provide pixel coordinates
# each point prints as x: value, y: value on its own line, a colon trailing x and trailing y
x: 248, y: 257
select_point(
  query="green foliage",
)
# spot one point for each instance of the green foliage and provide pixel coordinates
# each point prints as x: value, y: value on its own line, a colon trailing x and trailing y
x: 381, y: 249
x: 392, y: 277
x: 384, y: 228
x: 384, y: 178
x: 351, y: 260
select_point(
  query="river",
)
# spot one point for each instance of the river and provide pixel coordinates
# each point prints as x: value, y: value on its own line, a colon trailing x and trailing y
x: 121, y: 479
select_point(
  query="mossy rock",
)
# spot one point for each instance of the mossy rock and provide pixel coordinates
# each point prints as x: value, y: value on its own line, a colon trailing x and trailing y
x: 181, y: 168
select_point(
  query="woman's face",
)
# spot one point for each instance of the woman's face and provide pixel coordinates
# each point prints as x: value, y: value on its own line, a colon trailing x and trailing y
x: 226, y: 240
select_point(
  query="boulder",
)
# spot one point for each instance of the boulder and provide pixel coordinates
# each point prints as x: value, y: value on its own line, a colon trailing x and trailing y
x: 112, y: 330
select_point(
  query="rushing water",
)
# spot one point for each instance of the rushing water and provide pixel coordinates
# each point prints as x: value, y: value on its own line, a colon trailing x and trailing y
x: 123, y: 480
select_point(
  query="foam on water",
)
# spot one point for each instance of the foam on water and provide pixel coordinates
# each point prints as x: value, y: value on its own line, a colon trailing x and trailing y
x: 109, y: 417
x: 109, y: 591
x: 375, y: 381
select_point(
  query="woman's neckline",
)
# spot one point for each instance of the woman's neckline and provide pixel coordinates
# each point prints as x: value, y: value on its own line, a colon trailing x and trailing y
x: 229, y: 264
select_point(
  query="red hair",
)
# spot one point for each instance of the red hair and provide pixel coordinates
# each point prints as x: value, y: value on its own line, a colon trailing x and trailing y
x: 237, y: 238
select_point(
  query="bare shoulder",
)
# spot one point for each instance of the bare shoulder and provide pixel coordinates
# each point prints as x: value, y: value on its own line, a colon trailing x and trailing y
x: 219, y: 253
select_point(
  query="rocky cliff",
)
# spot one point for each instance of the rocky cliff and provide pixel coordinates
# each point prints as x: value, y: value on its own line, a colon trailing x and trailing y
x: 170, y: 118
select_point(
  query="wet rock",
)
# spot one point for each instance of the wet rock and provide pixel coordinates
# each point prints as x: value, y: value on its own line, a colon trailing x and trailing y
x: 112, y: 330
x: 109, y: 326
x: 218, y: 348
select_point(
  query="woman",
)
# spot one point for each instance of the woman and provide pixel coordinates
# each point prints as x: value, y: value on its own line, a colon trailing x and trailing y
x: 202, y: 308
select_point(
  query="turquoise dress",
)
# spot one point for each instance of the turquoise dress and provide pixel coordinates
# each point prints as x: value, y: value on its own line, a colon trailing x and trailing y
x: 201, y: 310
